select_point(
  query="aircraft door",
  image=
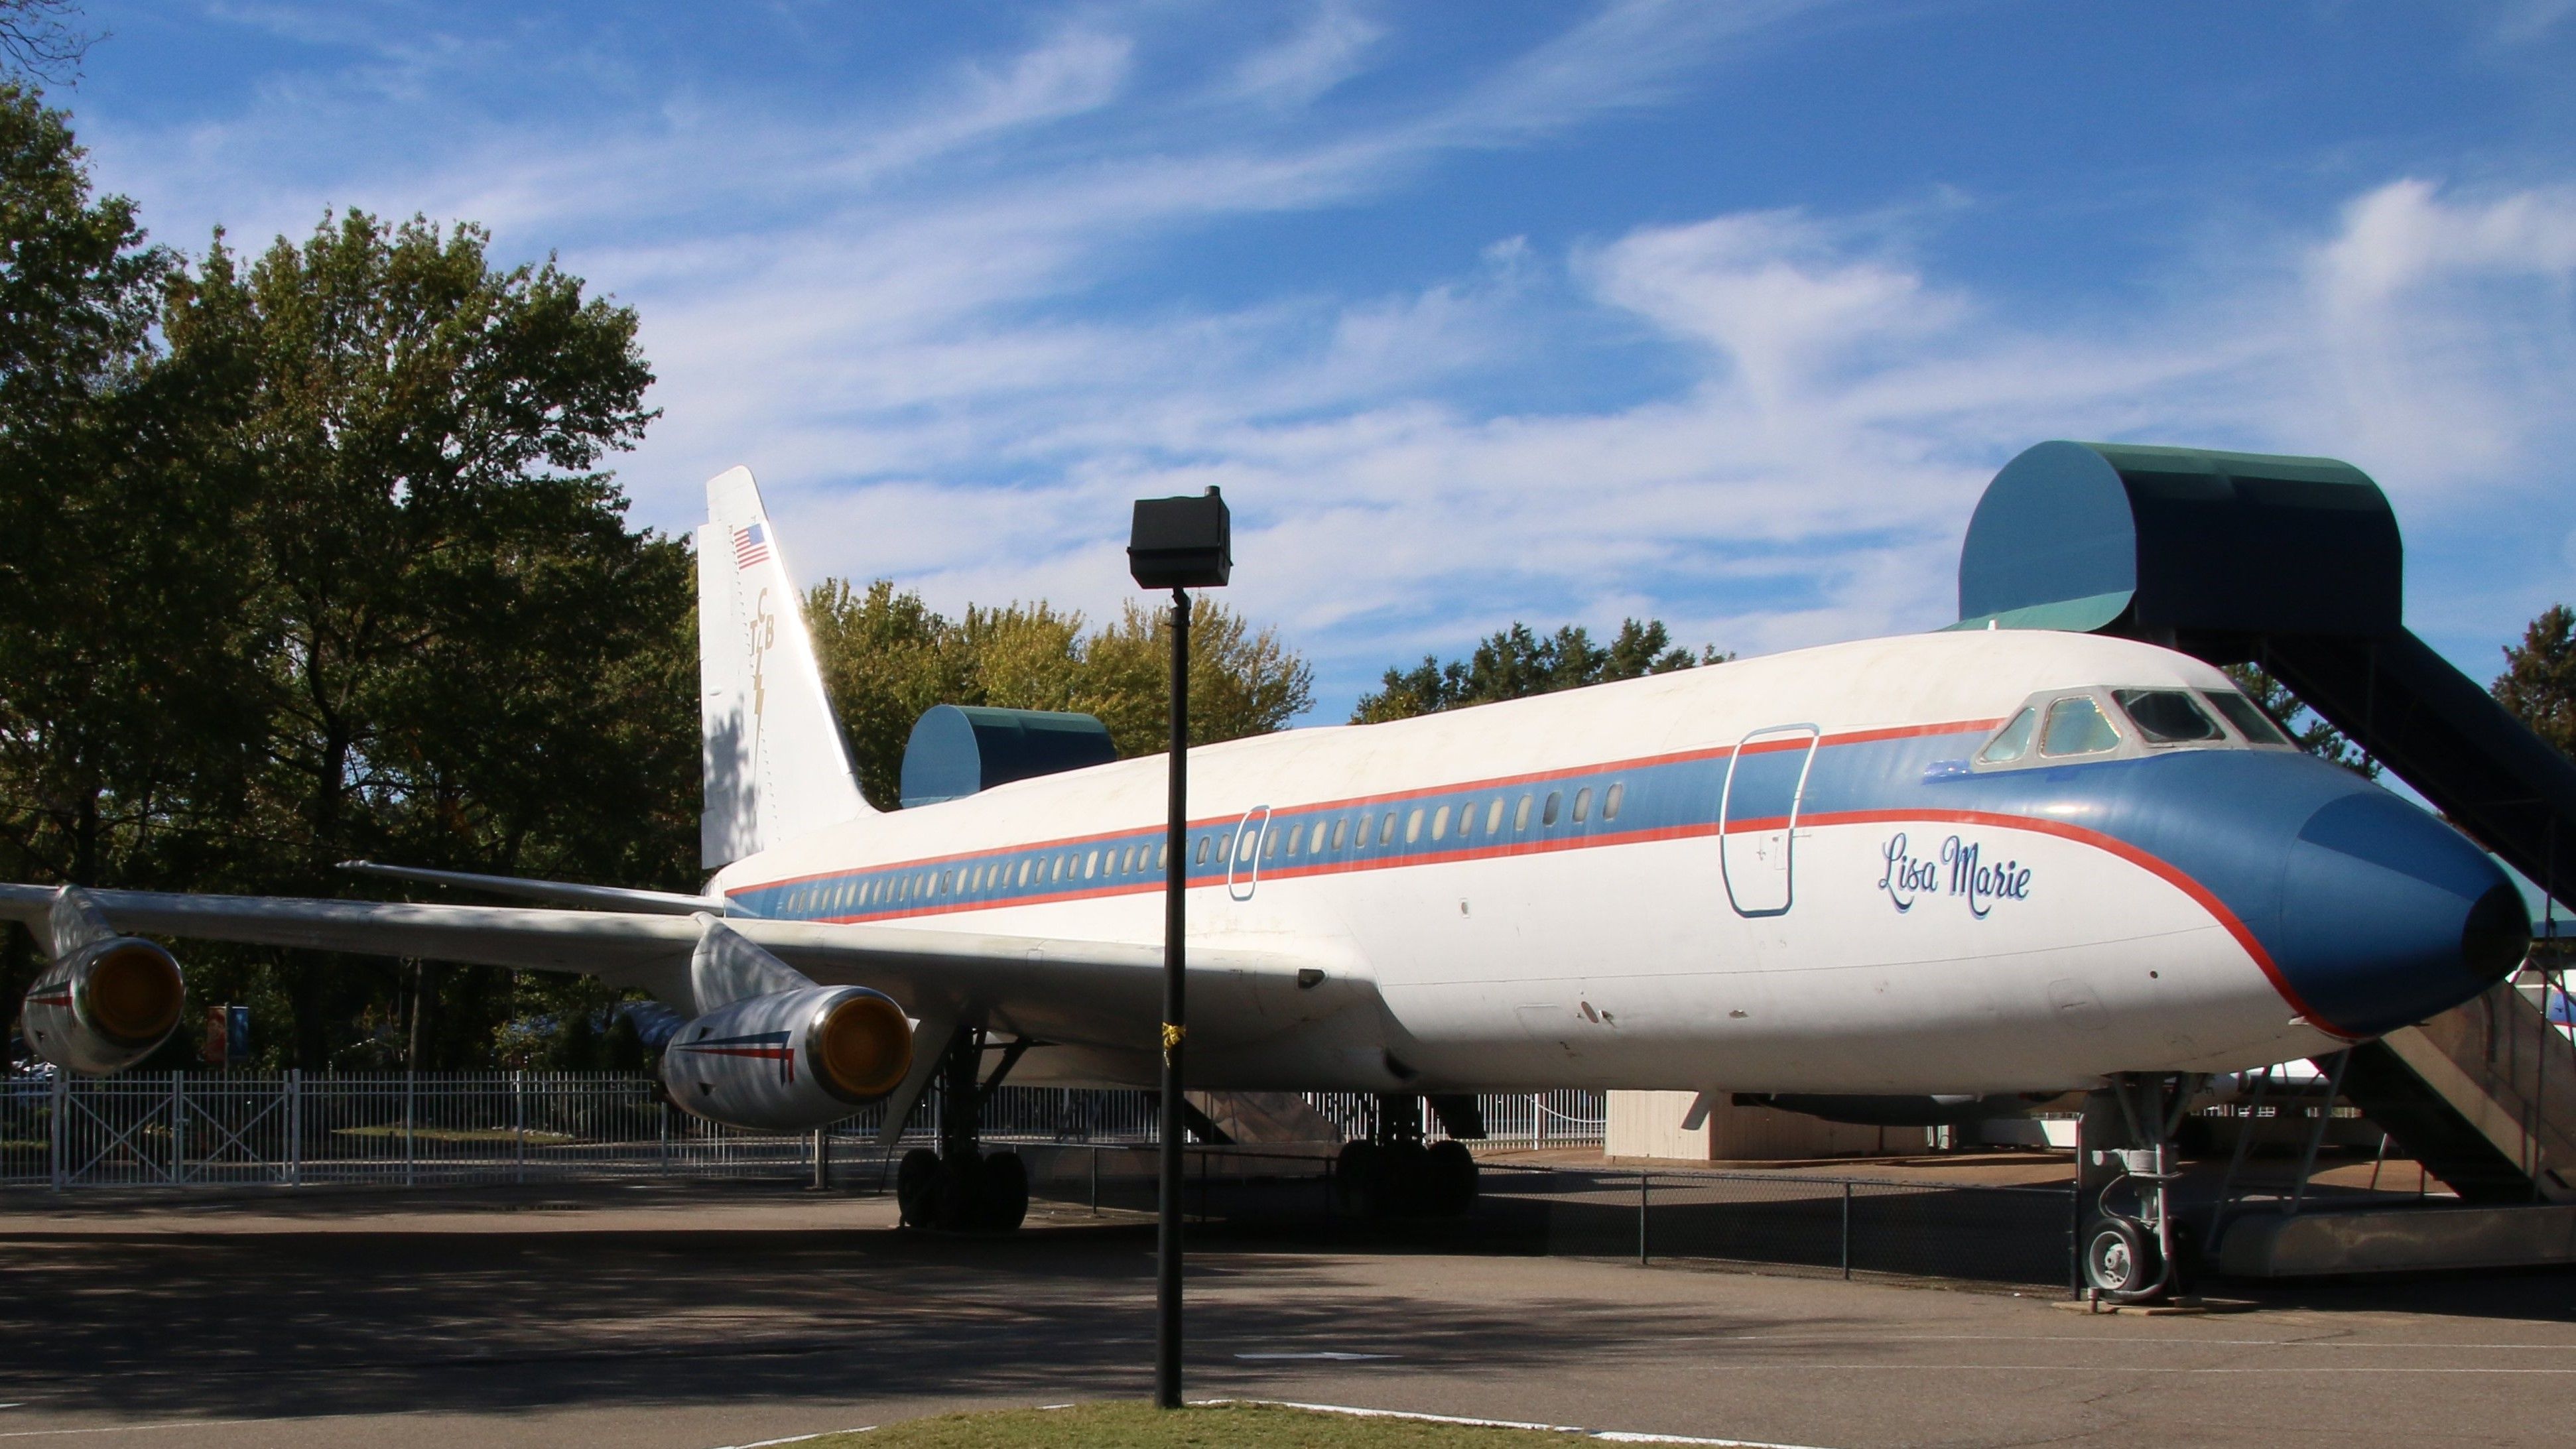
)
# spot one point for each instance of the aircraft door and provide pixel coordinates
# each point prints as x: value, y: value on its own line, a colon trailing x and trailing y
x: 1757, y: 817
x: 1243, y: 864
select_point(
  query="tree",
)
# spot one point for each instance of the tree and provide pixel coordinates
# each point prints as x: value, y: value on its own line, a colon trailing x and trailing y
x: 2539, y: 681
x: 1515, y: 663
x: 887, y: 657
x: 122, y: 570
x: 2306, y: 728
x: 38, y: 39
x: 467, y: 658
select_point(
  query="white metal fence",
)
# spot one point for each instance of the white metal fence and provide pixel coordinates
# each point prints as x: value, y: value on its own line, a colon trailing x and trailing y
x: 398, y: 1129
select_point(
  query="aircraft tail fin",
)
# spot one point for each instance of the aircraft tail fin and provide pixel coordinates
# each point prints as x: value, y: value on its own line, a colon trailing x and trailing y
x: 776, y: 767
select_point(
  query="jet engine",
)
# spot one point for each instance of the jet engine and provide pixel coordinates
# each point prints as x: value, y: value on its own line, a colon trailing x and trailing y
x: 105, y: 1006
x: 789, y: 1061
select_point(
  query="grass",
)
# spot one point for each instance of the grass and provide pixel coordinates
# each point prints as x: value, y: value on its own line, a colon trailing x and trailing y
x: 1201, y: 1426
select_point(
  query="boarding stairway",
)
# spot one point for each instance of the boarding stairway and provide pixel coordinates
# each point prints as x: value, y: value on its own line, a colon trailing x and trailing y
x: 2294, y: 564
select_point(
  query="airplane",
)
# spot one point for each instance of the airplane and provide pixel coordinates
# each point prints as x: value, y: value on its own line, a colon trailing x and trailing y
x: 1949, y: 865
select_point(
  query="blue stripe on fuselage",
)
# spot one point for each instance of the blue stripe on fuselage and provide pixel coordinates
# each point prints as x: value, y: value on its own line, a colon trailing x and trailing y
x: 2230, y: 819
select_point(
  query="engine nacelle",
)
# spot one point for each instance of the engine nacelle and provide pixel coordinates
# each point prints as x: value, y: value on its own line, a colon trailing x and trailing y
x: 790, y: 1061
x: 105, y: 1006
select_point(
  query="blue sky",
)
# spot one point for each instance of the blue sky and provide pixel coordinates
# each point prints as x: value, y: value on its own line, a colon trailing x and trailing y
x: 1722, y: 312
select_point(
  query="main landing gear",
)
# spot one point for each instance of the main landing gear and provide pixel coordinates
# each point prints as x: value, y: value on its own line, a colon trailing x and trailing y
x: 961, y: 1188
x: 1393, y: 1174
x: 2134, y: 1250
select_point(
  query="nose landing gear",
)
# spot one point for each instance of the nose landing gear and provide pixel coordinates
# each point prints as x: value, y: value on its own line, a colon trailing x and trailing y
x: 960, y: 1187
x: 2132, y: 1250
x: 1393, y: 1173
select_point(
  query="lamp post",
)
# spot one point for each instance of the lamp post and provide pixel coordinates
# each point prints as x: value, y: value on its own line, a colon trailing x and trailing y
x: 1177, y: 544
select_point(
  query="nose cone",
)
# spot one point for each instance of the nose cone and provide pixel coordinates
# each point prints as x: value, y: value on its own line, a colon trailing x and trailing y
x: 2389, y: 916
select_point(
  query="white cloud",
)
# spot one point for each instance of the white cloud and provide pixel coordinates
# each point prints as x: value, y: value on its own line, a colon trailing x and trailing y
x: 887, y: 310
x: 1328, y: 50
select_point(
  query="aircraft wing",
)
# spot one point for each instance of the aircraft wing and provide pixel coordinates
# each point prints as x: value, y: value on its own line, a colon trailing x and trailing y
x: 1099, y: 992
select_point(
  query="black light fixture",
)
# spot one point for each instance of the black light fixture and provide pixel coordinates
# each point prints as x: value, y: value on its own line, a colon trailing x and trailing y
x: 1178, y: 544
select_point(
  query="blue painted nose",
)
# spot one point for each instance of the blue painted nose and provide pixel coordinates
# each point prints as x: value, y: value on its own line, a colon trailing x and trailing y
x: 2389, y: 916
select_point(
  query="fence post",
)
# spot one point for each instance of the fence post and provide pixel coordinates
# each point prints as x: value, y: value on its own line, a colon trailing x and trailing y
x: 178, y: 1128
x: 295, y: 1127
x: 1847, y: 1197
x: 2075, y: 1226
x: 411, y: 1149
x: 56, y: 1125
x: 1538, y: 1120
x: 822, y: 1159
x: 1095, y: 1179
x: 1641, y: 1216
x: 519, y: 1125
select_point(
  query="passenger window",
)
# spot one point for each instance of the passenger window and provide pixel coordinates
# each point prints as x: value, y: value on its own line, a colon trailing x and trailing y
x: 2168, y: 716
x: 947, y: 878
x: 1204, y: 842
x: 1163, y: 857
x: 1386, y: 831
x: 2076, y: 727
x: 1024, y: 870
x: 1582, y: 804
x: 1440, y: 823
x: 1315, y: 838
x: 1610, y: 802
x: 1359, y: 836
x: 1296, y: 835
x: 1091, y: 865
x: 1341, y: 828
x: 1547, y: 816
x: 1413, y: 826
x: 1466, y: 820
x: 1494, y: 816
x: 2248, y: 717
x: 2012, y: 741
x: 1520, y: 817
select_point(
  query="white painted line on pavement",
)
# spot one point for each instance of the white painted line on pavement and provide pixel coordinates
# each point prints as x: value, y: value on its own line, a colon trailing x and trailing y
x: 1613, y: 1436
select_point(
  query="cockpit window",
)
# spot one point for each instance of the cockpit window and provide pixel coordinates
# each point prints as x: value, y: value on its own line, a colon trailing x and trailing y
x: 2013, y: 741
x: 2250, y: 721
x: 2076, y: 727
x: 2168, y: 716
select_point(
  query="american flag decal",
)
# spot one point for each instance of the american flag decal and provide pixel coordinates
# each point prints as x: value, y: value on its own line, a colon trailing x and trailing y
x: 750, y: 546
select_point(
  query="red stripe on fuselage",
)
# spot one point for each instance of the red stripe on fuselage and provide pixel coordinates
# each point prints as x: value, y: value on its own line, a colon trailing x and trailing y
x: 1499, y: 782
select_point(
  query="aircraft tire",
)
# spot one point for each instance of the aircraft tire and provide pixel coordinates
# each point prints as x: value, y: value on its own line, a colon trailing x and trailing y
x: 1005, y: 1202
x: 1452, y: 1179
x: 1359, y: 1180
x: 956, y: 1191
x: 2119, y: 1257
x: 912, y: 1185
x: 1409, y: 1182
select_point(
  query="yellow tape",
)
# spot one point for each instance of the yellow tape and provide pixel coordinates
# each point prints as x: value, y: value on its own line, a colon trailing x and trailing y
x: 1172, y: 1035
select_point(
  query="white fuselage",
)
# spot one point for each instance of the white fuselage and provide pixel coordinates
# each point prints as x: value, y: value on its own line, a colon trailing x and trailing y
x: 1891, y: 939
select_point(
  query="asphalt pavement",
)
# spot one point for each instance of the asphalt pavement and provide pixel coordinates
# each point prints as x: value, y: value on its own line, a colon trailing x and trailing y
x: 694, y: 1316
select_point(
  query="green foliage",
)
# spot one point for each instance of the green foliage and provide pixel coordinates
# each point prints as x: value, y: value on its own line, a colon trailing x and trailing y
x: 887, y: 657
x: 2305, y: 727
x: 2539, y: 681
x: 1515, y: 663
x: 311, y: 557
